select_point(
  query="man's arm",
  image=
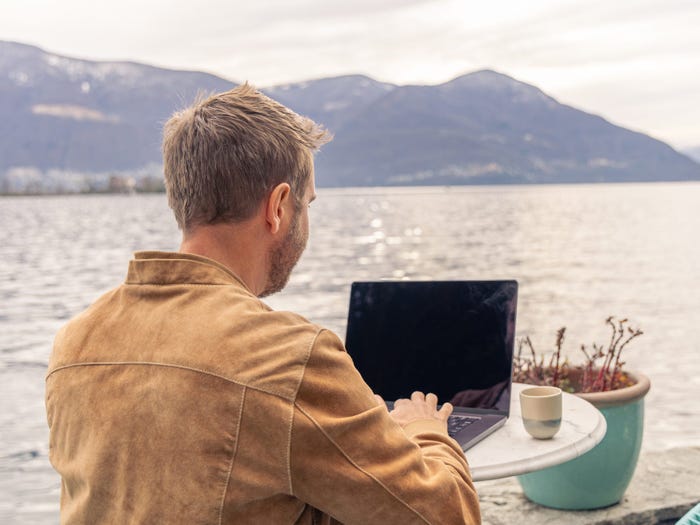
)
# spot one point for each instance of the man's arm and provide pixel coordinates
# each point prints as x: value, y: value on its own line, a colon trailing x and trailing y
x: 351, y: 459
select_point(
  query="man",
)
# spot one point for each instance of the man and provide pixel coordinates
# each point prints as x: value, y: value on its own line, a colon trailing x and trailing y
x: 179, y: 397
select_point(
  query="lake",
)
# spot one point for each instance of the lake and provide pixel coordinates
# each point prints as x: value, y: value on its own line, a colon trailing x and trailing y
x: 579, y: 252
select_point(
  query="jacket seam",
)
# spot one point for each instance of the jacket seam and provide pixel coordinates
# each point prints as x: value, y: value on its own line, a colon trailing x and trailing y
x: 188, y: 285
x: 289, y: 450
x: 358, y: 467
x: 291, y: 419
x: 170, y: 365
x: 303, y: 509
x: 233, y: 457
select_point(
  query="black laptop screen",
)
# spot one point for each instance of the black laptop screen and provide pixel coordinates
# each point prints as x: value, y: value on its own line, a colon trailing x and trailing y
x: 453, y: 338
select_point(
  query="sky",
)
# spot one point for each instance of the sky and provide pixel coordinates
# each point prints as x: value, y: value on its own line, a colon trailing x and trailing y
x: 634, y: 62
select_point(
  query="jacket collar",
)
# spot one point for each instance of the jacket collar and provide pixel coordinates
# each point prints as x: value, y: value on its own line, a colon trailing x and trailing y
x: 162, y: 268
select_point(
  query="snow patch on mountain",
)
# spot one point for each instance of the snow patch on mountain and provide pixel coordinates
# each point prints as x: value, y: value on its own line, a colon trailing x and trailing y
x: 73, y: 112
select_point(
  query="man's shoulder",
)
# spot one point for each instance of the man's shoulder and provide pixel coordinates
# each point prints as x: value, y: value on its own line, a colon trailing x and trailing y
x: 245, y: 340
x: 222, y: 330
x: 80, y: 325
x: 268, y: 349
x: 271, y: 328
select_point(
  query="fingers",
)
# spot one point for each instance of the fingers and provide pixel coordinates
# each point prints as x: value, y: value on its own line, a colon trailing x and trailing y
x: 419, y: 406
x: 431, y: 399
x: 417, y: 396
x: 445, y: 411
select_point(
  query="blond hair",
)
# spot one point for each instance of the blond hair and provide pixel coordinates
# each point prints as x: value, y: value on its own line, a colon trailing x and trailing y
x: 224, y: 154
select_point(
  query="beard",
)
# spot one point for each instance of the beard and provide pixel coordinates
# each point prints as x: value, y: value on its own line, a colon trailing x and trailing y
x: 284, y: 257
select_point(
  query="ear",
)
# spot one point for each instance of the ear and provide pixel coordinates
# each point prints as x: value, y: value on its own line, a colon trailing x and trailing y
x: 276, y: 206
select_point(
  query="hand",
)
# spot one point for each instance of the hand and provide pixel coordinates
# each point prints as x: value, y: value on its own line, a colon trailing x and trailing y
x: 420, y: 406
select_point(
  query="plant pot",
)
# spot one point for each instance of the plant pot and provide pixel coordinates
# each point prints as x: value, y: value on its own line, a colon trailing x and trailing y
x: 600, y: 477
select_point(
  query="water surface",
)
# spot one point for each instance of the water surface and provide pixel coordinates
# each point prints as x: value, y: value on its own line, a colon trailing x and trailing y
x: 580, y: 253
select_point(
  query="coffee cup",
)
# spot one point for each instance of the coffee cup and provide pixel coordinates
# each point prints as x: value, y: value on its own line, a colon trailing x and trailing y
x: 540, y: 408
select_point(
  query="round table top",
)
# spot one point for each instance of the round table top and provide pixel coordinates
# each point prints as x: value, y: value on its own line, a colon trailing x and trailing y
x: 511, y: 451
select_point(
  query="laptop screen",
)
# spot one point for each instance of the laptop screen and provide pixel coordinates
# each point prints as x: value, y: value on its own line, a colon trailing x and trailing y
x: 453, y: 338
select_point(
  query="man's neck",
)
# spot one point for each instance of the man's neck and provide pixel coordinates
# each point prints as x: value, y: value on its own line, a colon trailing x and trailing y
x: 236, y: 246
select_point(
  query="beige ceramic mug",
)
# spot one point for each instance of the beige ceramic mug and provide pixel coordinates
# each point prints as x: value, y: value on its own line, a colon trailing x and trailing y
x: 540, y: 407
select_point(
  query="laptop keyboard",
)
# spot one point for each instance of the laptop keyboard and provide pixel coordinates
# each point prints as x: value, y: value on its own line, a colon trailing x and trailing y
x: 456, y: 424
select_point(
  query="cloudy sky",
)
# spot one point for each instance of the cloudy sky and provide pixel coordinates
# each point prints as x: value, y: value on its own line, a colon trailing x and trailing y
x: 635, y: 62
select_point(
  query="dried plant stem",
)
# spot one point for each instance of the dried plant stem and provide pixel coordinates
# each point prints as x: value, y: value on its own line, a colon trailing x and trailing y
x: 559, y: 343
x: 592, y: 376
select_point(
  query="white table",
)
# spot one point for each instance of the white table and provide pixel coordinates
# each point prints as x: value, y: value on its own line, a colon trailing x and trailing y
x: 511, y: 451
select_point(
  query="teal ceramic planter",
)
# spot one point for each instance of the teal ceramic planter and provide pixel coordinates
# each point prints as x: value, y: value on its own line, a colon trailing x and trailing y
x: 600, y: 477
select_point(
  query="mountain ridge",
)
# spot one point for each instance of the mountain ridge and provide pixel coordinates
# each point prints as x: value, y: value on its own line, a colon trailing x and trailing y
x: 692, y: 152
x: 66, y: 118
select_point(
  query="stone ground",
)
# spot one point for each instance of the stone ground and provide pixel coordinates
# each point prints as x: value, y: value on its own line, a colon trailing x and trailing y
x: 665, y: 486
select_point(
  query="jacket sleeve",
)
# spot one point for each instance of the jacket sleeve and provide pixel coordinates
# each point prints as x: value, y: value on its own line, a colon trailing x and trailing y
x: 349, y: 459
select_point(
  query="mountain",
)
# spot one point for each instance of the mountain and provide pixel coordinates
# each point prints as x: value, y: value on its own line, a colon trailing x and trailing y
x: 67, y: 123
x: 693, y: 153
x: 332, y: 101
x: 486, y: 127
x: 78, y: 116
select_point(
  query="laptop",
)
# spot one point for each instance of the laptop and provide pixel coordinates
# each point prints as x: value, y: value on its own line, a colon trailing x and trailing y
x: 452, y: 338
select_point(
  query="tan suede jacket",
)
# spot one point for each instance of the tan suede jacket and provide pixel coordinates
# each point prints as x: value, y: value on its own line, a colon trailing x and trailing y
x: 179, y: 397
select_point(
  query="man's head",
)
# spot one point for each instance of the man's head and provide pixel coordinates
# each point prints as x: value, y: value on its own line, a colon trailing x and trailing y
x: 223, y: 156
x: 239, y: 177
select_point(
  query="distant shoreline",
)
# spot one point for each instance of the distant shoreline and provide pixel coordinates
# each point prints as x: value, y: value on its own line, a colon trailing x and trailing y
x: 359, y: 188
x: 76, y: 193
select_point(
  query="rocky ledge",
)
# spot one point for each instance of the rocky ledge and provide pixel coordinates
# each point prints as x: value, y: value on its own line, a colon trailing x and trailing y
x: 665, y: 486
